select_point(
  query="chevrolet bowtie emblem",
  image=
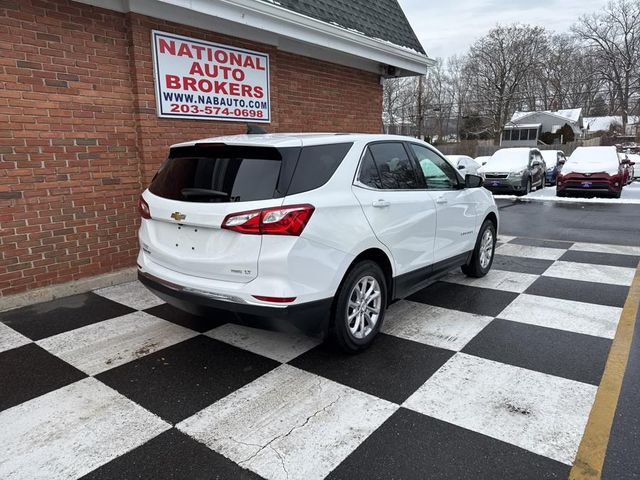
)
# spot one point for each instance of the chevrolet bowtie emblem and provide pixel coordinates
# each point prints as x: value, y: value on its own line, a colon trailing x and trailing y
x: 178, y: 216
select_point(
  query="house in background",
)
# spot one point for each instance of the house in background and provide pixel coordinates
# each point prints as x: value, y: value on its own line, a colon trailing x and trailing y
x: 525, y: 129
x: 604, y: 124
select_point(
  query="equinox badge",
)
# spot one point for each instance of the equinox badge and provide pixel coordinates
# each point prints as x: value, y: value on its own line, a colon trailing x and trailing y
x: 177, y: 216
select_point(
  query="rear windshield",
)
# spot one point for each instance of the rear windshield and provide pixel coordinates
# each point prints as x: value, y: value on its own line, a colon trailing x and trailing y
x: 219, y: 174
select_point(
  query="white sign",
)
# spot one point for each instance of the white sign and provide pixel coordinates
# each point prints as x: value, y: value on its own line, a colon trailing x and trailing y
x: 204, y: 80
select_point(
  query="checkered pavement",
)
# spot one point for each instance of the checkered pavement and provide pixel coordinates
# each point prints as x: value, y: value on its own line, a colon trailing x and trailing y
x: 471, y: 378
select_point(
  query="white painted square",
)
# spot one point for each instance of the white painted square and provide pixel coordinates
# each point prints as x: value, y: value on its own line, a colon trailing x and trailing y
x: 131, y: 294
x: 578, y: 317
x: 527, y: 251
x: 281, y: 347
x: 589, y: 272
x: 535, y: 411
x: 602, y: 248
x: 9, y: 338
x: 435, y: 326
x: 497, y: 279
x: 71, y: 431
x: 289, y: 423
x: 105, y: 345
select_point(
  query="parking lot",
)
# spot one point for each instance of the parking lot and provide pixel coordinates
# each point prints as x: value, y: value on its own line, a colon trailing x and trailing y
x: 484, y: 378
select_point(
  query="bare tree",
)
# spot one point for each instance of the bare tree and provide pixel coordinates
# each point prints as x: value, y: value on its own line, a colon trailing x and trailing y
x: 613, y: 39
x: 499, y: 63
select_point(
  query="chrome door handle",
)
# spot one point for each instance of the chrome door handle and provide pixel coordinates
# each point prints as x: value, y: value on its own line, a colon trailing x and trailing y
x: 381, y: 203
x: 442, y: 200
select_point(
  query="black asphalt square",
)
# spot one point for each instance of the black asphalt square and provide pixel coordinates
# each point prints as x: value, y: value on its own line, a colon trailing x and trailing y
x: 180, y: 380
x: 392, y: 368
x: 538, y: 242
x: 171, y: 455
x: 533, y: 266
x: 188, y: 320
x: 411, y: 445
x: 30, y: 371
x: 43, y: 320
x: 579, y: 291
x: 482, y: 301
x: 598, y: 258
x: 538, y: 348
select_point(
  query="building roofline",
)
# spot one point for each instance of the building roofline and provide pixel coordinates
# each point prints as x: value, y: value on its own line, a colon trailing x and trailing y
x: 276, y: 21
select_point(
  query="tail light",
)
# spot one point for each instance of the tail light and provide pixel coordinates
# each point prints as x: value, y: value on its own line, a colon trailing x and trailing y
x: 143, y: 208
x: 287, y: 220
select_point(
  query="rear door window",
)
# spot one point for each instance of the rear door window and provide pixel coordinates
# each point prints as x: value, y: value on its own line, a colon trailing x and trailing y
x: 316, y: 166
x: 394, y: 167
x: 220, y: 174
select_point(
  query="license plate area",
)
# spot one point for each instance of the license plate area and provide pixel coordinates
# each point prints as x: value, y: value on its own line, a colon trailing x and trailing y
x: 495, y: 184
x: 586, y: 184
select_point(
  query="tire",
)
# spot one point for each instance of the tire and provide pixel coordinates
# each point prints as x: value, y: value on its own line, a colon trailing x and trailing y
x: 617, y: 194
x: 358, y: 334
x: 527, y: 188
x: 479, y: 265
x: 560, y: 194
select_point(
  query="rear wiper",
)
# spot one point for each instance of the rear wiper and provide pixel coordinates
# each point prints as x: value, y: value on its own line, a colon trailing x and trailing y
x: 202, y: 192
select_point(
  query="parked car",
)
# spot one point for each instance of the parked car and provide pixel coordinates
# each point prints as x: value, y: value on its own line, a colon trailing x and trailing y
x: 310, y: 232
x: 635, y: 158
x: 629, y: 170
x: 482, y: 160
x: 514, y: 170
x: 465, y: 164
x: 554, y: 160
x: 598, y: 170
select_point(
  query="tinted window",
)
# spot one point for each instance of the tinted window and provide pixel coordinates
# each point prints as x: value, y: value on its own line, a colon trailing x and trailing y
x: 394, y: 166
x: 369, y: 174
x: 219, y: 174
x: 438, y: 173
x: 316, y: 165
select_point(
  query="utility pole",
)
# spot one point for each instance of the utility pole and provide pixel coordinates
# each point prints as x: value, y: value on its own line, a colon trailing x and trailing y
x: 420, y: 112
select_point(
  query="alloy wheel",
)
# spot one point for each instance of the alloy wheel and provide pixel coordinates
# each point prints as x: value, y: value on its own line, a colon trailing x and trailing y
x: 486, y: 248
x: 363, y: 307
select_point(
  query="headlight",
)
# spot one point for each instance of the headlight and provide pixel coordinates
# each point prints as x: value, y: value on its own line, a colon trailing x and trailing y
x: 517, y: 174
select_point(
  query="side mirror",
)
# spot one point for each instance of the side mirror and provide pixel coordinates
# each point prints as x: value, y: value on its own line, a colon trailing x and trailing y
x: 626, y: 161
x: 562, y: 161
x: 460, y: 167
x: 472, y: 181
x: 536, y: 163
x: 631, y: 164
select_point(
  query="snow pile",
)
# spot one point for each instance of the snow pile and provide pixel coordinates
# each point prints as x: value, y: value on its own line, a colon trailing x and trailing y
x: 593, y: 160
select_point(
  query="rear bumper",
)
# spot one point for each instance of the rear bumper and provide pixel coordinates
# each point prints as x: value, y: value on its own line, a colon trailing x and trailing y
x: 311, y: 318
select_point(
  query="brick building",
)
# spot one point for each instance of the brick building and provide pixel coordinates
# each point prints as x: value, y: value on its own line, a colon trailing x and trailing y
x: 80, y: 130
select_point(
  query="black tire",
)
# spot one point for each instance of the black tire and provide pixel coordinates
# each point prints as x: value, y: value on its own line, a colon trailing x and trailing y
x: 617, y: 194
x: 560, y: 193
x: 527, y: 189
x: 340, y: 332
x: 475, y: 268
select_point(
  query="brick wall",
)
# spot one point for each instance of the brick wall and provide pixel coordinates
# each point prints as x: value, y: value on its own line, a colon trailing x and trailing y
x: 79, y: 135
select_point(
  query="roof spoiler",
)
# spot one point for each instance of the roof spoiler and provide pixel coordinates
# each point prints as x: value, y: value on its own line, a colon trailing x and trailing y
x: 253, y: 129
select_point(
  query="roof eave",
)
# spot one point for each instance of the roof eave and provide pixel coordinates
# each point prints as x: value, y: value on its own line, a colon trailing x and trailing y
x: 278, y: 21
x: 301, y: 27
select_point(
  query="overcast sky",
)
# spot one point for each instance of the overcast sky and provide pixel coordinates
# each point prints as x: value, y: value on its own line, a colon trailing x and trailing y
x: 449, y: 27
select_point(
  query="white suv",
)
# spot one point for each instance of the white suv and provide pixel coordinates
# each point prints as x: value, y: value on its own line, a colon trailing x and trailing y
x: 310, y: 232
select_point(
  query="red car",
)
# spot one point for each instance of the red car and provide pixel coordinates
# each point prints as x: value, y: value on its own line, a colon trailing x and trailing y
x: 598, y: 170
